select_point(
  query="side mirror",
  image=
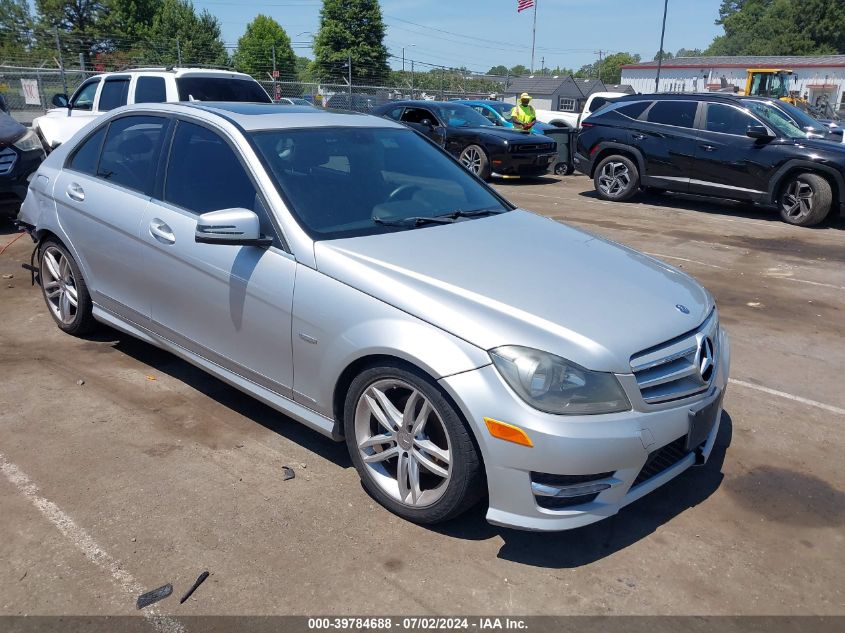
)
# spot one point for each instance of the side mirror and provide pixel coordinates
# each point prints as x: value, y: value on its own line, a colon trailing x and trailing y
x: 60, y: 100
x: 759, y: 132
x: 233, y: 227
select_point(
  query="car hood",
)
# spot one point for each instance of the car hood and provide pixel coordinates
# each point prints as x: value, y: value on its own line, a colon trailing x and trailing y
x: 503, y: 133
x: 10, y: 130
x: 522, y: 279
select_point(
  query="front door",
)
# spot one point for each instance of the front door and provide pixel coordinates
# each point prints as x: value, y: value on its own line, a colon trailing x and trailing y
x: 101, y: 196
x: 80, y: 111
x: 728, y: 163
x: 666, y: 140
x: 228, y: 304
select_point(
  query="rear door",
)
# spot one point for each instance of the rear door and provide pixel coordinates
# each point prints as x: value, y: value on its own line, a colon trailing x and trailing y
x: 666, y: 137
x: 101, y: 195
x: 728, y: 163
x: 114, y: 93
x: 228, y: 304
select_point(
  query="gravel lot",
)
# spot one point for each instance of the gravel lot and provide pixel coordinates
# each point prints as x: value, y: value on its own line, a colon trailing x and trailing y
x: 125, y: 468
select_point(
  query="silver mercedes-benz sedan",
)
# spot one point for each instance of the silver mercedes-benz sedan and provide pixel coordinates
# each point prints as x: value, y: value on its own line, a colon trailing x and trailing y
x: 349, y: 273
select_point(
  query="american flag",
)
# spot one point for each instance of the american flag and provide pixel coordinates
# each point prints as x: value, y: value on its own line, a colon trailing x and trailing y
x: 522, y: 5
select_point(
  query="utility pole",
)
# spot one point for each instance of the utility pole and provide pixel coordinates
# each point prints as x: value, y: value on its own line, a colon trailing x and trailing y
x: 276, y: 91
x: 534, y: 35
x: 660, y: 54
x: 61, y: 61
x: 600, y: 53
x: 178, y: 52
x: 543, y: 65
x: 413, y: 93
x: 403, y: 59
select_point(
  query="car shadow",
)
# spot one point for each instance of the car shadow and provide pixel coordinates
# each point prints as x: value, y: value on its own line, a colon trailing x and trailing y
x: 585, y: 545
x: 548, y: 179
x: 168, y: 364
x: 716, y: 206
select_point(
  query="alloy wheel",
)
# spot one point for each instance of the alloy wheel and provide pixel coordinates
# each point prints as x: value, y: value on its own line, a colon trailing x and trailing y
x: 471, y: 159
x: 59, y: 285
x: 798, y: 200
x: 614, y: 178
x: 403, y: 442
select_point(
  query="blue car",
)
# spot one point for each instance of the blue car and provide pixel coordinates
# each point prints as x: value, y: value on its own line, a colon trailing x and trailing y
x: 499, y: 113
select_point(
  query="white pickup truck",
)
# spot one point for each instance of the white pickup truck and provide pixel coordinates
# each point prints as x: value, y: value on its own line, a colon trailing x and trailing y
x: 573, y: 119
x: 102, y: 93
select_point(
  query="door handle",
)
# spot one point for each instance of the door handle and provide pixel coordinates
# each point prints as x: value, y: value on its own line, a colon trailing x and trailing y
x: 638, y: 137
x: 163, y: 233
x: 75, y: 192
x: 707, y: 148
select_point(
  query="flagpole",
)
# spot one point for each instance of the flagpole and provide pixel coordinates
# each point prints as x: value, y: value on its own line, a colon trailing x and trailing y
x: 533, y: 35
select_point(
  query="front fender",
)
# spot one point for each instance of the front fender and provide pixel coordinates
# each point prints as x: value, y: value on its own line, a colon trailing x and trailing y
x: 335, y: 325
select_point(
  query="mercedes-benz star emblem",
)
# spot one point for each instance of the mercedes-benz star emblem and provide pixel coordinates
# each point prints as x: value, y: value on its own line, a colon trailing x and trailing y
x: 704, y: 359
x: 682, y: 308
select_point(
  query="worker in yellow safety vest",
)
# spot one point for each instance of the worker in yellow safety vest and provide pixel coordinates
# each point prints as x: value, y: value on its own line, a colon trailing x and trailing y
x: 523, y: 115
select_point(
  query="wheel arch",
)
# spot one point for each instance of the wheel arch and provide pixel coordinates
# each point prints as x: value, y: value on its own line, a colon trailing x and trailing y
x: 794, y: 168
x: 610, y: 149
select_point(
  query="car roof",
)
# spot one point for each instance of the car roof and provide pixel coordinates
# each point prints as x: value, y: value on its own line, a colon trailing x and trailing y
x: 423, y: 102
x: 681, y: 96
x: 178, y: 72
x: 267, y: 116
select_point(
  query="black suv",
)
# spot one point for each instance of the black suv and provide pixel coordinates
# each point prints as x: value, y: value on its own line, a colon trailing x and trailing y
x: 733, y: 147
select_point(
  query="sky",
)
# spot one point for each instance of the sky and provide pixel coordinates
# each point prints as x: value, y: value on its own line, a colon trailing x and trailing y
x: 479, y: 34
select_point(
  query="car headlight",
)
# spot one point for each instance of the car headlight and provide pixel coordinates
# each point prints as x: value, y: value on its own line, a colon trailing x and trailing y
x: 28, y: 142
x: 555, y: 385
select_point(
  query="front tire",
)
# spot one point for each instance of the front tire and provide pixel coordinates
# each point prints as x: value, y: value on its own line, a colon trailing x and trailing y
x: 64, y: 290
x: 411, y: 448
x: 474, y: 158
x: 806, y: 200
x: 616, y: 178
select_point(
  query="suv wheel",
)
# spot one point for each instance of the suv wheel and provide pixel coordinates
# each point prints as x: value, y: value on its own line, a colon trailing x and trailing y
x: 806, y: 200
x: 616, y: 178
x: 411, y: 448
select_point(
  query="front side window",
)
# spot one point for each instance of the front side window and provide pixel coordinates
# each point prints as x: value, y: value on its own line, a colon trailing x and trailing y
x: 777, y: 119
x: 677, y: 113
x: 84, y: 97
x: 221, y: 89
x: 85, y: 157
x: 345, y: 182
x: 131, y: 152
x: 114, y: 94
x: 728, y: 120
x: 150, y: 90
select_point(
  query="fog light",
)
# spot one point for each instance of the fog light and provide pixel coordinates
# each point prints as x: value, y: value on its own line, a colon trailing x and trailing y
x: 508, y: 432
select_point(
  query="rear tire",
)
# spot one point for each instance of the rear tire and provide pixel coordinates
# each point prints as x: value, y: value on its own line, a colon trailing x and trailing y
x: 410, y: 446
x: 805, y: 200
x: 616, y: 178
x: 64, y: 290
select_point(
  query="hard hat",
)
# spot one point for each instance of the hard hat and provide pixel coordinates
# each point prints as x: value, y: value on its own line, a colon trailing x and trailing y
x: 525, y: 95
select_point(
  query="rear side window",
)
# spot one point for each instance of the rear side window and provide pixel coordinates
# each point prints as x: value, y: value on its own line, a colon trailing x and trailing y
x: 678, y: 113
x: 114, y: 94
x: 395, y: 113
x: 131, y: 152
x: 220, y: 89
x: 150, y: 90
x: 417, y: 115
x: 728, y: 120
x: 633, y: 110
x: 85, y: 157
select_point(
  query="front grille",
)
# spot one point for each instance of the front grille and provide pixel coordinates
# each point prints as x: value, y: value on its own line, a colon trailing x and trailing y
x: 679, y: 368
x: 558, y: 503
x: 662, y: 459
x: 7, y: 160
x: 541, y: 148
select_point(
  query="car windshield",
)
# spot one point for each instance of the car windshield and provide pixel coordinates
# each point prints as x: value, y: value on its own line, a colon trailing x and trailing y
x: 803, y: 119
x: 777, y: 119
x: 459, y: 115
x: 220, y: 89
x: 346, y: 182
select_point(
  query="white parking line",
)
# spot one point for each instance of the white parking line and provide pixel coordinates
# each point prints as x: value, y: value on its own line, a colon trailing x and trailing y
x: 82, y: 541
x: 788, y: 396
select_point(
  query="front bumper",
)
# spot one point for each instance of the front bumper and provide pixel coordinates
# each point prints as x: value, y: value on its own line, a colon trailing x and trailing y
x: 621, y: 447
x: 582, y: 163
x: 522, y: 164
x: 14, y: 183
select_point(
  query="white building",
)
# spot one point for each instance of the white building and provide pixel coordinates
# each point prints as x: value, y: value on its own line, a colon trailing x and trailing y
x: 813, y: 76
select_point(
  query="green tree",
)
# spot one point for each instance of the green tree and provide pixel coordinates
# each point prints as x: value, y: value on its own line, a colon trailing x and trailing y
x: 610, y: 68
x: 177, y: 28
x: 256, y: 46
x: 79, y: 23
x: 780, y: 27
x: 499, y: 71
x: 519, y: 70
x: 127, y: 22
x: 15, y: 28
x: 689, y: 52
x: 666, y: 55
x: 351, y: 29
